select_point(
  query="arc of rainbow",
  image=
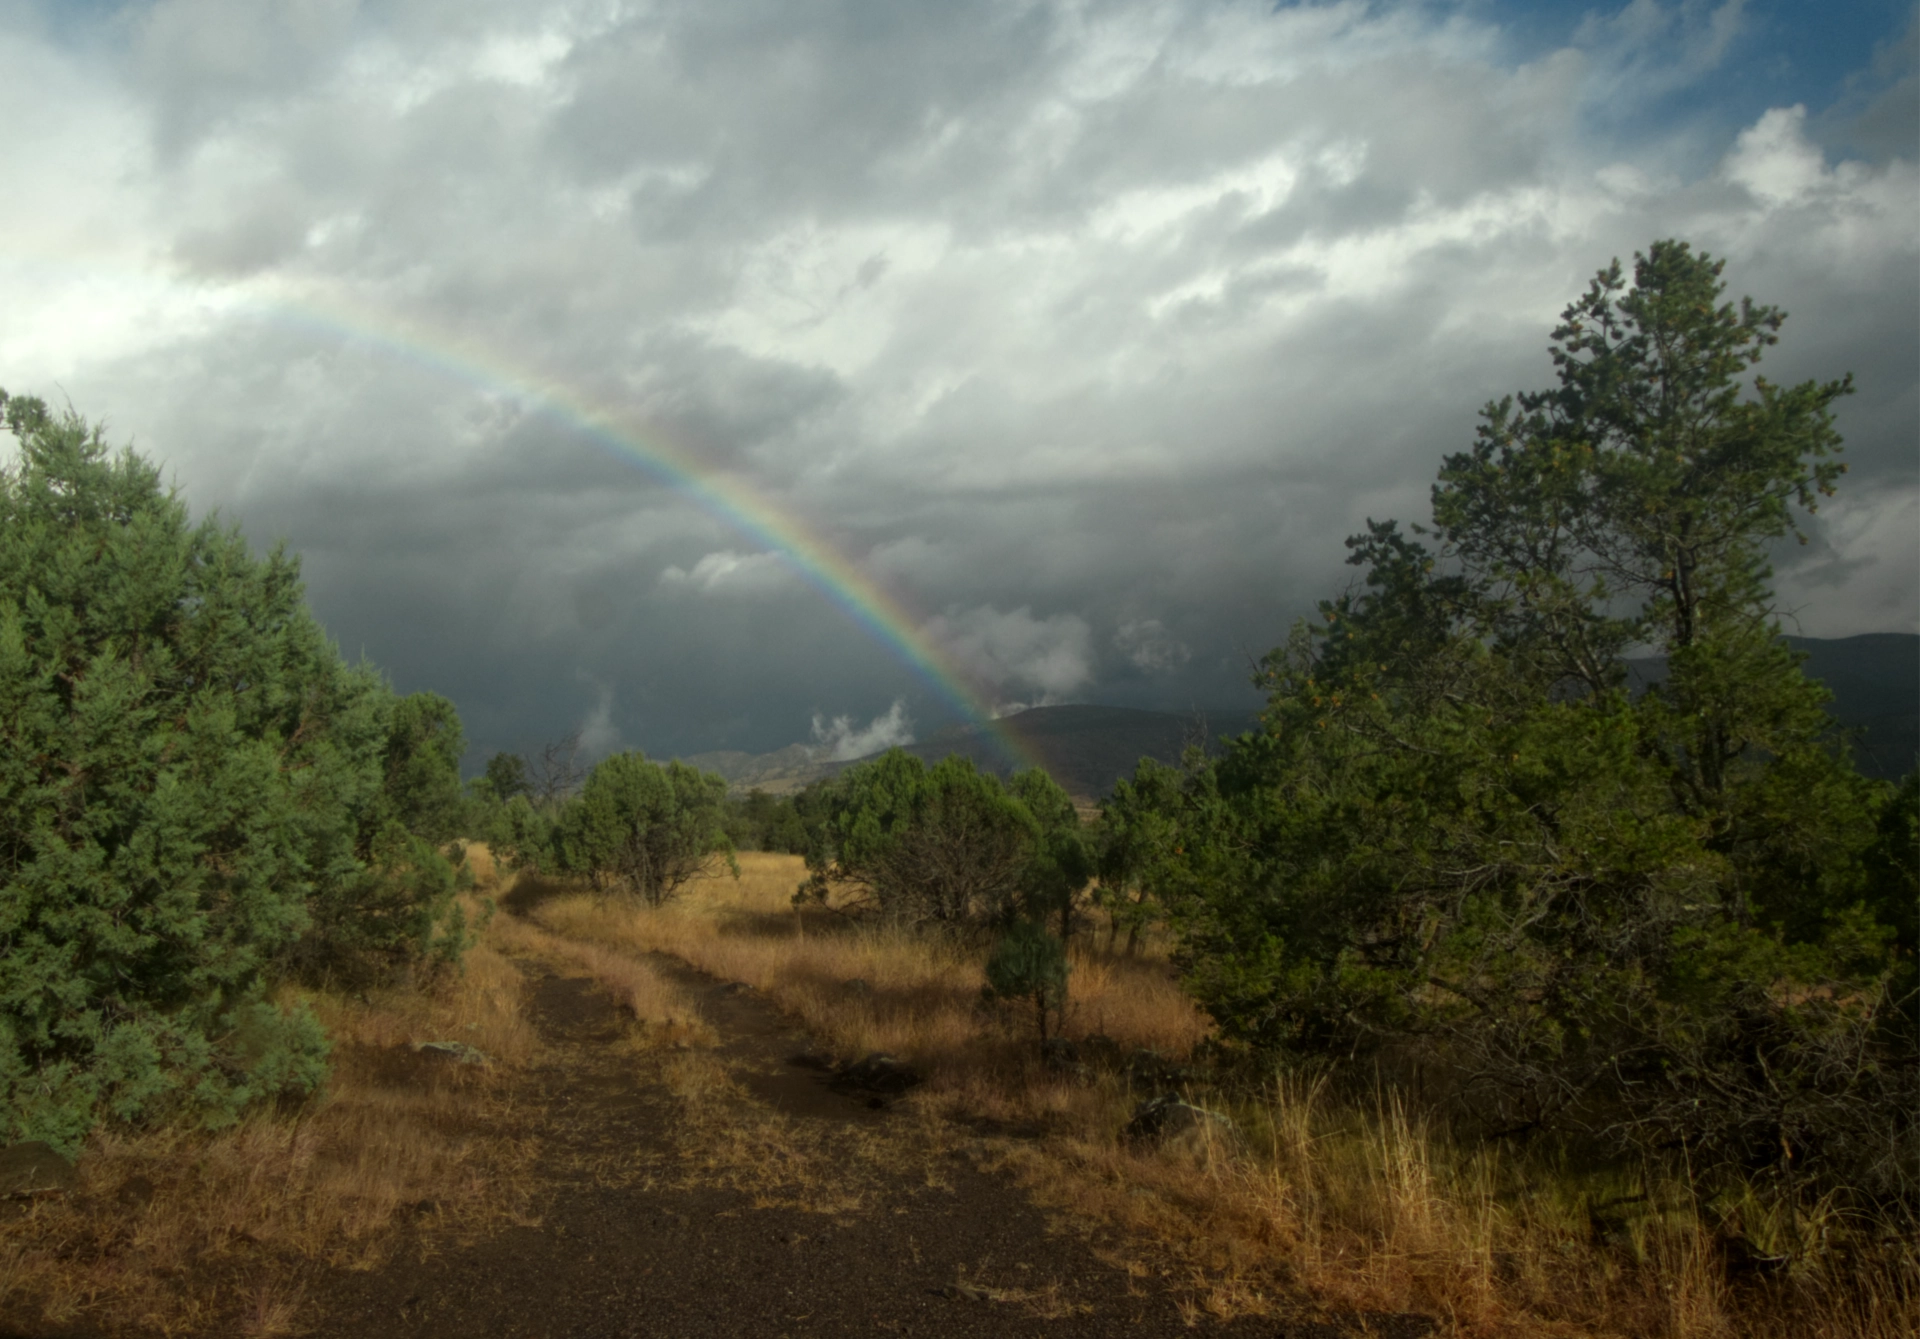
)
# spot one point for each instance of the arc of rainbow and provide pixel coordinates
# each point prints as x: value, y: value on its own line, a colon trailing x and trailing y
x: 733, y: 501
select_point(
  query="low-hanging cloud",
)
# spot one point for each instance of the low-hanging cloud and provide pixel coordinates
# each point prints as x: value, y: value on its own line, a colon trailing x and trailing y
x: 1016, y: 655
x: 730, y: 573
x: 838, y: 739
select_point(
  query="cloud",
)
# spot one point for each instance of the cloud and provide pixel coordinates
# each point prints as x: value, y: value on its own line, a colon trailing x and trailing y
x: 1094, y: 311
x: 1148, y: 646
x: 599, y: 732
x: 1015, y: 651
x: 839, y: 740
x: 730, y: 573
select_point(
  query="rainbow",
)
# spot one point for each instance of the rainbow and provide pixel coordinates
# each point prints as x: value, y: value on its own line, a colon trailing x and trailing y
x: 733, y: 501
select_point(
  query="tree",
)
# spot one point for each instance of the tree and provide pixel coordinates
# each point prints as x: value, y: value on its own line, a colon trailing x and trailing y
x: 1138, y: 848
x: 181, y: 758
x: 1062, y: 863
x: 644, y: 828
x: 506, y: 776
x: 942, y: 845
x: 422, y: 782
x: 1029, y: 964
x: 1461, y: 835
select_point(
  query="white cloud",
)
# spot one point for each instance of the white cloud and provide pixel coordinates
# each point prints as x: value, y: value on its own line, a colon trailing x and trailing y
x: 1051, y: 656
x: 599, y: 732
x: 730, y: 573
x: 1149, y: 647
x: 1774, y: 160
x: 839, y: 740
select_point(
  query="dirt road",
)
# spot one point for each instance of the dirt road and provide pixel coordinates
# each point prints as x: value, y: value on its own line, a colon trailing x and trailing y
x: 732, y: 1193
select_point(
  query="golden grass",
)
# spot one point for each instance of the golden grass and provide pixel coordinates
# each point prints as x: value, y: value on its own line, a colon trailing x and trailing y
x: 1359, y: 1207
x: 185, y: 1231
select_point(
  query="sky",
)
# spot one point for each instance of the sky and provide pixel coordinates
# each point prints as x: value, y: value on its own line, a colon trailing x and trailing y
x: 724, y: 374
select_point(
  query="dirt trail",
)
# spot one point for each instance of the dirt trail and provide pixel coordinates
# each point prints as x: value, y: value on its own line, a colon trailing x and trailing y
x: 789, y: 1209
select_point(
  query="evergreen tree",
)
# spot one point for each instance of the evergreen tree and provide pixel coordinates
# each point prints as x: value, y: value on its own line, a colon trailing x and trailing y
x: 645, y: 828
x: 193, y: 795
x: 182, y: 756
x: 1460, y: 835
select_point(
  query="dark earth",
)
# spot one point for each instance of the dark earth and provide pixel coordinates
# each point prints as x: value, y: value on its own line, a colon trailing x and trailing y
x: 778, y: 1207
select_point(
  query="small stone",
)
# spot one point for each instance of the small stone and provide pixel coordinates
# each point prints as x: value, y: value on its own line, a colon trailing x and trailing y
x: 457, y: 1051
x: 33, y: 1168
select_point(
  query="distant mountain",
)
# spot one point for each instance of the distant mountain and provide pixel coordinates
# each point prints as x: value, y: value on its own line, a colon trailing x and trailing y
x: 1874, y: 678
x: 780, y: 773
x: 1875, y: 682
x: 1085, y: 748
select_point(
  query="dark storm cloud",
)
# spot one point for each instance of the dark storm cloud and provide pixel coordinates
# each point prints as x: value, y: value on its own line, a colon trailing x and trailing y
x: 1087, y: 331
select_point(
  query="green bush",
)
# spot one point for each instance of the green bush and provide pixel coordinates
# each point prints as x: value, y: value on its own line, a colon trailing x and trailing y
x: 643, y: 828
x: 192, y: 797
x: 1672, y: 920
x: 1029, y: 965
x: 944, y: 845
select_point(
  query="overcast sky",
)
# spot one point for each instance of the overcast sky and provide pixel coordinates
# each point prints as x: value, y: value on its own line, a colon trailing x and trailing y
x: 1086, y: 331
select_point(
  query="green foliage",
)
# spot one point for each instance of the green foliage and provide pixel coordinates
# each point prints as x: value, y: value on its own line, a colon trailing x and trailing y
x: 176, y: 778
x: 1658, y: 919
x: 1029, y: 964
x: 644, y: 828
x: 758, y: 821
x: 194, y: 795
x: 1062, y: 863
x: 422, y: 787
x: 506, y: 777
x: 943, y: 845
x: 1138, y: 848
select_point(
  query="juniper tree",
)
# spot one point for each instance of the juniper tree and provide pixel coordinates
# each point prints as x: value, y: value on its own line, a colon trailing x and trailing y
x: 192, y: 797
x: 644, y: 828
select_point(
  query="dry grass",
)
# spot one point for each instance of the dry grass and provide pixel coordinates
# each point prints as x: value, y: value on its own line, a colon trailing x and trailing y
x: 1359, y: 1206
x: 179, y: 1231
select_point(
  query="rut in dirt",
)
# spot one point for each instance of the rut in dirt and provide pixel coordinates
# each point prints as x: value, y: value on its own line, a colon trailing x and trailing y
x: 791, y: 1210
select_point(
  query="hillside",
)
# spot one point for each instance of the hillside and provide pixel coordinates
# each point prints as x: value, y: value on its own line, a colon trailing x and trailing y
x: 1875, y: 682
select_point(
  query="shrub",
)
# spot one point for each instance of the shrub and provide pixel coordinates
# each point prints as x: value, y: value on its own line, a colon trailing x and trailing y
x: 183, y: 755
x: 942, y: 846
x: 643, y: 828
x: 1029, y: 964
x: 195, y: 793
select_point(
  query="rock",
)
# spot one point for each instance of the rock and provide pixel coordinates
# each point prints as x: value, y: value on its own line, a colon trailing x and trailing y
x: 738, y: 988
x: 457, y: 1051
x: 33, y: 1168
x: 1180, y: 1127
x: 879, y: 1073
